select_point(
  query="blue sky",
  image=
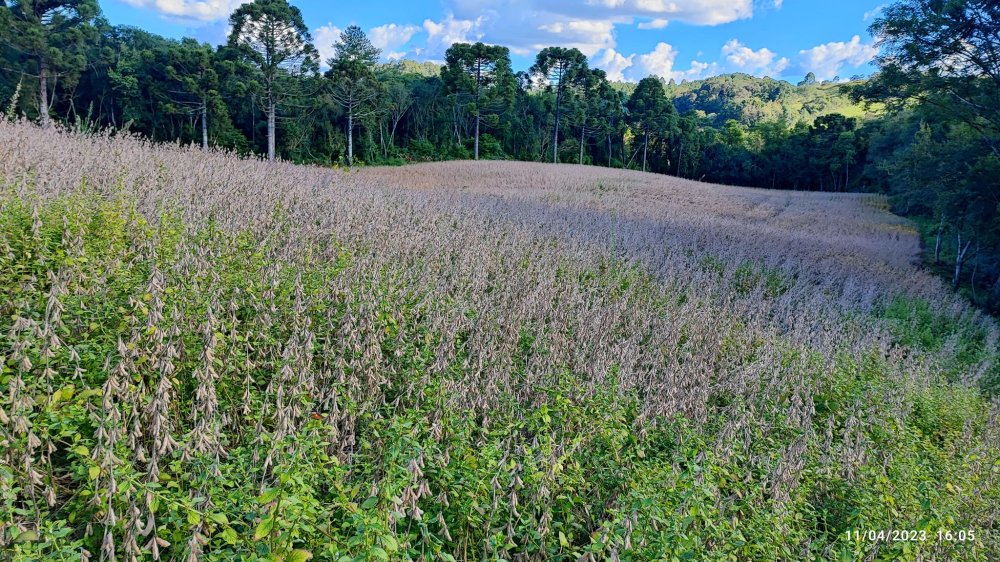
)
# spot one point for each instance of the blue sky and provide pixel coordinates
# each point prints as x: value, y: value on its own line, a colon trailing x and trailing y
x: 680, y: 39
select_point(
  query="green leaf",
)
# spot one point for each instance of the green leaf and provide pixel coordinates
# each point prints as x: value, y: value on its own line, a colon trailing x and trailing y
x: 230, y: 536
x: 219, y: 518
x: 299, y: 555
x: 264, y: 528
x: 268, y: 496
x: 27, y: 536
x: 194, y: 517
x: 390, y: 543
x: 562, y: 540
x: 81, y: 450
x: 379, y: 553
x: 370, y: 503
x: 63, y: 394
x: 88, y: 394
x: 94, y: 472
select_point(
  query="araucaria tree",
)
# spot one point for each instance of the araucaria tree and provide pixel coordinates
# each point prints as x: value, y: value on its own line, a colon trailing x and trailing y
x: 273, y: 37
x: 562, y: 68
x: 594, y: 106
x: 352, y: 72
x: 482, y: 72
x: 650, y: 112
x: 50, y: 36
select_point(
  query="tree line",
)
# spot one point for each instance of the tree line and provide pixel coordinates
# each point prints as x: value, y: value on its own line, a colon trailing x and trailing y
x: 933, y: 147
x: 267, y: 92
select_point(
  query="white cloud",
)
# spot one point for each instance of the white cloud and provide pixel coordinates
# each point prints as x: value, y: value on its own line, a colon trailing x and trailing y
x: 614, y: 64
x: 826, y: 60
x: 323, y: 38
x: 658, y: 62
x: 761, y: 62
x: 697, y: 71
x: 442, y: 34
x: 526, y: 26
x: 658, y: 23
x: 874, y: 12
x: 391, y: 37
x: 589, y: 36
x: 697, y: 12
x: 202, y: 10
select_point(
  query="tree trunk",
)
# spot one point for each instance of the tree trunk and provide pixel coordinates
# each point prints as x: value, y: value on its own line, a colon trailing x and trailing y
x: 582, y: 130
x: 476, y: 152
x: 937, y: 245
x: 392, y: 133
x: 680, y: 154
x: 960, y: 259
x: 479, y: 112
x: 270, y: 130
x: 609, y: 150
x: 204, y: 125
x: 555, y: 132
x: 645, y: 148
x: 43, y: 94
x: 975, y: 270
x: 381, y: 140
x: 350, y: 138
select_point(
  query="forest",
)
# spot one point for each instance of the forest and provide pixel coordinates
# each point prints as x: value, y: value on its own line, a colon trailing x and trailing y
x: 923, y: 130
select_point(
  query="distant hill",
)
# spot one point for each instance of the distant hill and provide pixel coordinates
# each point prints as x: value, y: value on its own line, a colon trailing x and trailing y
x: 426, y: 69
x: 750, y: 100
x: 743, y: 97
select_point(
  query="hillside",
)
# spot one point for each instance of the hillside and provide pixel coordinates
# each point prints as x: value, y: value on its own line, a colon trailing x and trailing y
x: 214, y: 358
x: 751, y: 100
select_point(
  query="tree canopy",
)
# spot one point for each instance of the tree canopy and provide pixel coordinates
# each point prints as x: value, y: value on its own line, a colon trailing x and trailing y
x: 273, y: 37
x: 482, y: 73
x: 560, y: 69
x: 352, y: 73
x: 49, y: 38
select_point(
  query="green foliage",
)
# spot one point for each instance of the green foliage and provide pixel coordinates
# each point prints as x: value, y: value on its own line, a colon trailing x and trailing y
x: 653, y: 118
x: 272, y: 38
x: 48, y: 40
x: 353, y: 80
x: 915, y: 324
x: 752, y: 101
x: 560, y: 69
x: 480, y: 74
x: 938, y: 154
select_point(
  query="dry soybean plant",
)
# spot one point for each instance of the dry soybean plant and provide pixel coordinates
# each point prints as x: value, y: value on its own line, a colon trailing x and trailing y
x: 213, y: 358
